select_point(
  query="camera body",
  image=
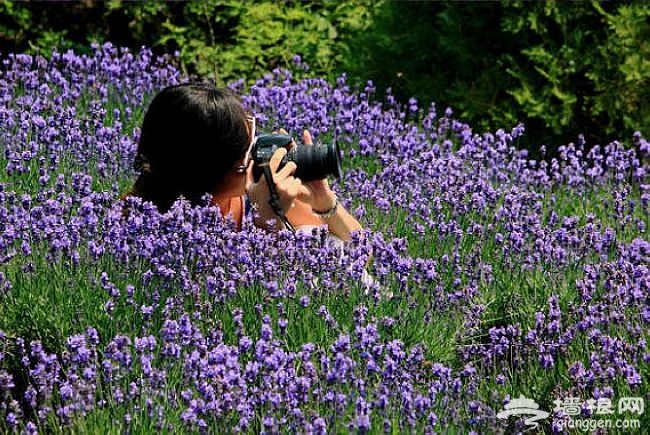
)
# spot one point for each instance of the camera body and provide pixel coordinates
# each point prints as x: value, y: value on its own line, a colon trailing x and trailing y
x: 313, y: 162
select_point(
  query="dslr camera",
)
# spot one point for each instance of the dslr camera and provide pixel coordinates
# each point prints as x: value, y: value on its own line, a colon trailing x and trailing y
x: 313, y: 162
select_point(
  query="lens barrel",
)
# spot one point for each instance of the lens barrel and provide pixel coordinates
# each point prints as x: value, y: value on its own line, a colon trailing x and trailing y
x: 315, y: 162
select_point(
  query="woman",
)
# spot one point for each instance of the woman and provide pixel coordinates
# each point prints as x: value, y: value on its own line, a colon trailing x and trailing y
x: 197, y: 139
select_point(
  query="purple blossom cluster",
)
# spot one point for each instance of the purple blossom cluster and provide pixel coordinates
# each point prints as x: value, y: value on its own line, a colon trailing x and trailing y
x: 492, y: 273
x: 75, y: 113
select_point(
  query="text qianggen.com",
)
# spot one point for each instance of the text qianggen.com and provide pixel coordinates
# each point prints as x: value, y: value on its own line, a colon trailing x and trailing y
x: 591, y: 424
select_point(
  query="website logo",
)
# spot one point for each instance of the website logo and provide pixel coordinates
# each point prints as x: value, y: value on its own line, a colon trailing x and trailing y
x: 523, y: 406
x: 570, y: 410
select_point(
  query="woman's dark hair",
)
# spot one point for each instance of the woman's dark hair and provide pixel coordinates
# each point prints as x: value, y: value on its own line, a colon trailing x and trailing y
x: 192, y: 135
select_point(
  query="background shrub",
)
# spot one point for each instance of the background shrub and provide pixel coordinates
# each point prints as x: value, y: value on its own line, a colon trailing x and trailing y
x: 562, y: 68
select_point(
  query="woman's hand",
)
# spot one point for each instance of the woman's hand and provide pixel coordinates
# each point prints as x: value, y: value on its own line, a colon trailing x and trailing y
x: 321, y: 196
x: 288, y: 187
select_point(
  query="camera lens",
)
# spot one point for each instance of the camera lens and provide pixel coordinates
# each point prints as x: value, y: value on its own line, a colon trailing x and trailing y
x: 315, y: 162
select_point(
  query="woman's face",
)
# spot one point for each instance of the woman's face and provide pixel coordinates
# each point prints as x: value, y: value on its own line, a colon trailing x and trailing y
x: 244, y: 170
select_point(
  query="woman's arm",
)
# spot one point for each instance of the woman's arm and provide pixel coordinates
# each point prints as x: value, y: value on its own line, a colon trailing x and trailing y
x: 341, y: 223
x: 323, y: 206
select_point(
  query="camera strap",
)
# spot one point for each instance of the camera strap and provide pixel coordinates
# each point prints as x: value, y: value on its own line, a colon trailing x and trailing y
x: 274, y: 200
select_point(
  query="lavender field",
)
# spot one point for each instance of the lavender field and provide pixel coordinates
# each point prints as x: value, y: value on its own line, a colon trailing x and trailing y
x: 494, y: 275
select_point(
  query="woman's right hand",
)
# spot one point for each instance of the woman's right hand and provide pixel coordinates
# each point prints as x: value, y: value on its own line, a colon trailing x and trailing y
x: 288, y: 188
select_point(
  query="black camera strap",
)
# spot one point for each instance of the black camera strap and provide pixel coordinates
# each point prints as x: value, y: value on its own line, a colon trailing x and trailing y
x: 274, y: 200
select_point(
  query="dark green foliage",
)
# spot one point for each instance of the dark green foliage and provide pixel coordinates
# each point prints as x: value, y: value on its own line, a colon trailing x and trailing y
x: 563, y: 68
x: 447, y: 52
